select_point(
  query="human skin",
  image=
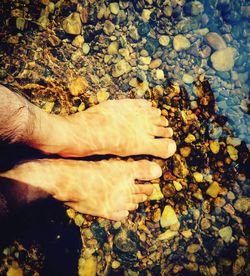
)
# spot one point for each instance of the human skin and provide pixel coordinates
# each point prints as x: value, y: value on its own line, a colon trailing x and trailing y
x: 123, y: 127
x: 105, y: 188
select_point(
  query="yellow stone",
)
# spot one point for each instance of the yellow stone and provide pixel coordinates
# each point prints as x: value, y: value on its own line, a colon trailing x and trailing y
x: 88, y: 267
x: 145, y: 60
x: 198, y: 194
x: 79, y: 220
x: 102, y: 95
x: 155, y: 63
x: 14, y: 272
x: 185, y: 151
x: 157, y: 194
x: 164, y: 40
x: 113, y: 48
x: 78, y: 41
x: 215, y: 147
x: 214, y: 189
x: 115, y: 264
x: 71, y: 213
x: 72, y: 24
x: 233, y: 152
x: 81, y: 107
x: 48, y: 106
x: 177, y: 185
x: 78, y: 86
x: 198, y: 176
x: 167, y: 235
x: 190, y: 138
x: 187, y: 233
x: 168, y: 216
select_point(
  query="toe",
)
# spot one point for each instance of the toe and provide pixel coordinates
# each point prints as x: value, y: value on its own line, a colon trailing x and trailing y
x: 119, y: 216
x: 138, y: 198
x: 132, y: 206
x: 162, y: 121
x: 145, y: 170
x: 146, y: 189
x: 163, y: 148
x: 162, y: 132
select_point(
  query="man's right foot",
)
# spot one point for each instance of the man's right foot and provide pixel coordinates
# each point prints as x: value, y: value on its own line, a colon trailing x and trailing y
x: 105, y: 188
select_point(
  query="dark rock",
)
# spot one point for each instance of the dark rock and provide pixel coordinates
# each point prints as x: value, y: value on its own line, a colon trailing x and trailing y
x: 99, y: 233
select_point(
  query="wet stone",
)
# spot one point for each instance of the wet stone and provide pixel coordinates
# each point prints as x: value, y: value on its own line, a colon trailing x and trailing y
x: 226, y: 233
x: 72, y: 24
x: 216, y: 41
x: 181, y: 43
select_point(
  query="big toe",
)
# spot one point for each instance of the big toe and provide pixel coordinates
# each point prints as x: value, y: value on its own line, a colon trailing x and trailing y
x: 145, y: 170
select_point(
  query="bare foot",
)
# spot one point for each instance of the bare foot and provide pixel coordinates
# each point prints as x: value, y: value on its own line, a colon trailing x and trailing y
x: 121, y: 127
x: 106, y: 188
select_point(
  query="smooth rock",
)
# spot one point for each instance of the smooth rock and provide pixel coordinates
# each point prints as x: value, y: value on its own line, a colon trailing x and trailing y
x: 243, y: 205
x: 193, y: 248
x: 177, y: 185
x: 226, y: 233
x: 169, y: 234
x: 145, y: 15
x: 159, y: 74
x: 85, y: 48
x: 157, y: 194
x: 223, y: 60
x: 78, y: 41
x: 168, y: 217
x: 190, y: 138
x: 113, y: 48
x: 194, y: 8
x: 133, y: 33
x: 164, y: 40
x: 88, y: 266
x: 215, y: 147
x: 155, y: 63
x: 72, y: 24
x: 214, y: 189
x: 121, y: 68
x: 181, y: 43
x: 114, y: 8
x: 216, y: 41
x: 108, y: 27
x: 187, y: 79
x: 102, y: 95
x: 78, y: 86
x: 233, y: 152
x: 198, y: 177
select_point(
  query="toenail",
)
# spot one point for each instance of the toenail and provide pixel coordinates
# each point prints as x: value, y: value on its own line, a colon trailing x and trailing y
x: 156, y: 170
x: 172, y: 147
x: 170, y: 131
x: 144, y: 197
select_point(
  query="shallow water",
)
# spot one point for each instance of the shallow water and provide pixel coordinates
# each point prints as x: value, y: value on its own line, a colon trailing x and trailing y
x: 146, y: 49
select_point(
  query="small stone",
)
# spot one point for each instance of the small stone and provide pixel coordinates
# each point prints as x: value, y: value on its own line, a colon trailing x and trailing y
x: 181, y: 43
x: 187, y: 233
x: 233, y: 152
x: 177, y: 185
x: 159, y: 74
x: 180, y: 166
x: 168, y: 10
x: 168, y: 190
x: 133, y: 33
x: 238, y: 265
x: 78, y: 86
x: 216, y: 41
x: 102, y: 95
x: 157, y: 194
x: 164, y: 40
x: 72, y: 24
x: 190, y: 138
x: 193, y: 248
x: 121, y: 68
x: 223, y: 60
x: 243, y: 205
x: 168, y: 217
x: 185, y: 151
x: 78, y: 41
x: 214, y: 189
x: 233, y: 141
x: 71, y: 213
x: 109, y: 27
x: 187, y: 79
x: 48, y: 107
x: 205, y: 224
x: 157, y: 215
x: 226, y: 233
x: 88, y: 266
x: 215, y: 147
x: 13, y: 271
x: 155, y: 63
x: 85, y: 48
x: 198, y: 194
x: 168, y: 235
x: 194, y: 8
x: 115, y: 264
x: 78, y: 219
x: 145, y: 60
x: 145, y: 15
x: 198, y: 177
x: 113, y: 48
x: 114, y: 8
x: 243, y: 241
x: 54, y: 40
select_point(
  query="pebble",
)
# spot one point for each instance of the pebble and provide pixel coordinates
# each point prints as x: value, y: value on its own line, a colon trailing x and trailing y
x: 215, y: 147
x: 115, y: 264
x: 180, y: 166
x: 121, y: 68
x: 223, y: 60
x: 181, y: 43
x: 85, y: 48
x: 187, y: 79
x: 78, y: 219
x: 78, y: 41
x: 177, y: 185
x: 159, y: 74
x: 168, y: 217
x: 145, y: 15
x: 113, y: 48
x: 108, y: 27
x: 233, y: 152
x: 102, y: 95
x: 88, y: 266
x: 78, y: 86
x: 72, y: 24
x: 185, y: 151
x: 133, y: 33
x: 164, y: 40
x: 167, y: 235
x: 157, y: 194
x: 187, y: 233
x: 233, y: 141
x: 205, y: 224
x: 13, y: 271
x: 193, y: 248
x: 214, y: 189
x: 190, y: 138
x: 155, y: 63
x: 194, y: 8
x: 114, y: 8
x: 226, y: 233
x: 145, y: 60
x: 216, y: 41
x: 243, y: 205
x: 198, y: 177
